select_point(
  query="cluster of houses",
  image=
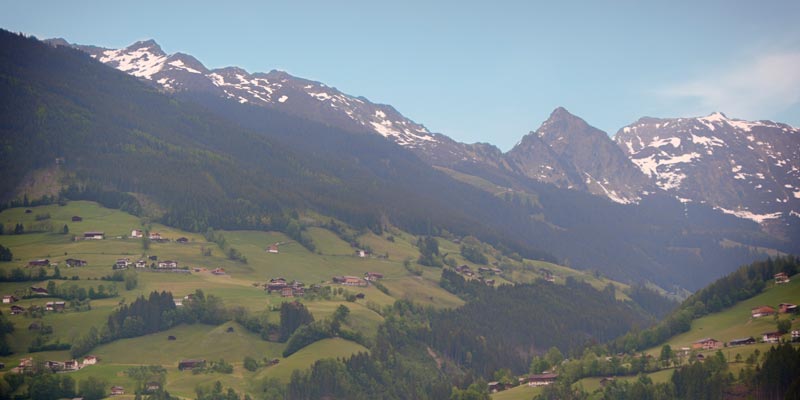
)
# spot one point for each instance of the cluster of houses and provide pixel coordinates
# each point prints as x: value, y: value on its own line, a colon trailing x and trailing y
x: 349, y: 281
x: 44, y: 262
x: 125, y: 263
x: 49, y: 306
x: 765, y: 311
x: 26, y: 365
x: 467, y: 271
x: 534, y: 380
x: 294, y: 288
x: 155, y: 237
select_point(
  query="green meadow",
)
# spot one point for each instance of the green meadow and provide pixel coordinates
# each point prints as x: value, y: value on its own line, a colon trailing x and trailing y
x: 736, y: 322
x: 241, y: 285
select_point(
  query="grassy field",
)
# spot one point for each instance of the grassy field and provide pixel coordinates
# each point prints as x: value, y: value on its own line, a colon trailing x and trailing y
x: 736, y: 322
x: 327, y: 348
x: 240, y: 286
x: 522, y: 392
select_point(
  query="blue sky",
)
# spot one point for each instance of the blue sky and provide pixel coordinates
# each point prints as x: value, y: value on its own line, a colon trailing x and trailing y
x: 478, y: 71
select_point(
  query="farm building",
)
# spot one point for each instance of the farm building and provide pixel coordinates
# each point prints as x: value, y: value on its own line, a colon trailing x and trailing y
x: 762, y: 311
x: 542, y: 379
x: 273, y: 248
x: 191, y: 364
x: 742, y: 342
x: 43, y: 262
x: 349, y: 281
x: 182, y: 240
x: 73, y: 262
x: 771, y: 337
x: 94, y: 235
x: 38, y: 291
x: 55, y: 306
x: 15, y: 310
x: 9, y: 298
x: 787, y: 308
x: 167, y: 264
x: 707, y: 344
x: 781, y: 277
x: 373, y: 276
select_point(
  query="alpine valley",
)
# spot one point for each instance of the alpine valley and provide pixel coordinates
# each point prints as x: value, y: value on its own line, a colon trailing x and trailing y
x: 221, y: 221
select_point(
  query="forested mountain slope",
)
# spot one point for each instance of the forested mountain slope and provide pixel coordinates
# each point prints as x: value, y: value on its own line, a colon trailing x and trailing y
x: 211, y: 162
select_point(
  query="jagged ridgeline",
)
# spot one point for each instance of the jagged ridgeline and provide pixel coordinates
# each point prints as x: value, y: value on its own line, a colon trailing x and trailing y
x: 117, y: 134
x: 206, y: 161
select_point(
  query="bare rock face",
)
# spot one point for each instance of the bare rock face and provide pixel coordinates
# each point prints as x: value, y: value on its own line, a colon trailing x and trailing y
x: 569, y: 153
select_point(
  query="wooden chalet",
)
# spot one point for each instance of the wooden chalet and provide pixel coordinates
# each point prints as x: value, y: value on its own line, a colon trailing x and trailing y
x: 273, y: 249
x: 16, y: 310
x: 542, y: 379
x: 771, y: 337
x: 122, y: 263
x: 9, y: 298
x: 94, y: 235
x: 39, y: 291
x: 349, y: 281
x: 76, y: 218
x: 706, y: 344
x: 167, y: 264
x: 117, y: 390
x: 742, y: 342
x: 495, y: 387
x: 137, y: 233
x: 74, y: 262
x: 373, y: 276
x: 787, y: 308
x: 191, y: 364
x: 182, y: 240
x: 762, y: 311
x: 71, y: 365
x: 154, y: 236
x: 54, y: 365
x: 89, y: 360
x: 140, y: 264
x: 55, y: 306
x: 151, y: 387
x: 42, y: 262
x: 218, y: 271
x: 781, y: 277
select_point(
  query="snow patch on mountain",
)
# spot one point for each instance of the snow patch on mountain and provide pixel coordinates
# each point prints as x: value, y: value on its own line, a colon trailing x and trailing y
x: 745, y: 214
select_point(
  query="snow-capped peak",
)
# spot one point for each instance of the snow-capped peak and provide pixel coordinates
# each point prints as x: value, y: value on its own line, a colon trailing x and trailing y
x: 276, y: 89
x: 750, y: 169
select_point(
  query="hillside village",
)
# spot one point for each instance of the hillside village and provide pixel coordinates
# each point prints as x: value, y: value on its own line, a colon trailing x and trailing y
x: 271, y: 276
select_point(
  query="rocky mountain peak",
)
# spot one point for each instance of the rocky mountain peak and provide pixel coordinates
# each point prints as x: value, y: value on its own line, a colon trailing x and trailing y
x: 745, y: 168
x: 568, y: 152
x: 149, y: 45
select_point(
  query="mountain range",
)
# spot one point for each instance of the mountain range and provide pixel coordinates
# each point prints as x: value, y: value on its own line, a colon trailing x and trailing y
x: 744, y: 168
x: 195, y: 155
